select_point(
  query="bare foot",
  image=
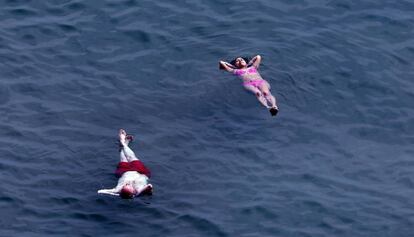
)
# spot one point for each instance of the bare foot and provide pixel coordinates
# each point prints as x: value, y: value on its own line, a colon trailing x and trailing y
x: 122, y: 136
x: 129, y: 138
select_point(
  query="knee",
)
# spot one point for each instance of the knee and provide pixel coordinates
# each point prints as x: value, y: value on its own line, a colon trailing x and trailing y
x: 266, y: 92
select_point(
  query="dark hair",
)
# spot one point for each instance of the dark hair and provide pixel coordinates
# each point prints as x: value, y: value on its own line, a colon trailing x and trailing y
x: 233, y: 62
x: 126, y: 194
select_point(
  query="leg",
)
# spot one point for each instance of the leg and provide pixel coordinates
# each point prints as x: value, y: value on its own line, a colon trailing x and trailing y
x: 258, y: 94
x: 125, y: 151
x: 122, y: 157
x: 129, y: 154
x: 265, y: 89
x: 122, y: 141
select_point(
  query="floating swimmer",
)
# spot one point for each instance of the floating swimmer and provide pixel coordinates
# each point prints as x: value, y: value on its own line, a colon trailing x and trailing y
x: 252, y: 81
x: 133, y: 175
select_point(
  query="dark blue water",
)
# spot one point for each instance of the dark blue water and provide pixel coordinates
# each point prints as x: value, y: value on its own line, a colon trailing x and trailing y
x: 336, y: 161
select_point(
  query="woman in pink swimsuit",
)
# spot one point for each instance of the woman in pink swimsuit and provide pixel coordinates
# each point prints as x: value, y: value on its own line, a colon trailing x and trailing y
x: 252, y: 81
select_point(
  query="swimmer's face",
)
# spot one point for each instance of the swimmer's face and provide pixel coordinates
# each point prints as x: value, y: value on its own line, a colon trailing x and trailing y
x: 129, y: 188
x: 240, y: 63
x: 127, y: 191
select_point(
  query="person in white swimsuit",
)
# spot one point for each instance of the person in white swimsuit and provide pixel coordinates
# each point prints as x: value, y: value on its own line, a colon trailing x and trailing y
x: 133, y: 175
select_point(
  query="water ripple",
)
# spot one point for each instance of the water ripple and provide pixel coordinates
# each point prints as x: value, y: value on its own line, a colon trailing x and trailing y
x: 334, y: 162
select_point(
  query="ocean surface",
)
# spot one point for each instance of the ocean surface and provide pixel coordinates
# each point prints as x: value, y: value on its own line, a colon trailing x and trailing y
x: 338, y: 159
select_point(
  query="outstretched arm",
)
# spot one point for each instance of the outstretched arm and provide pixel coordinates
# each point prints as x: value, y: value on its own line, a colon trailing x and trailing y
x: 226, y: 66
x: 255, y: 62
x: 108, y: 191
x: 113, y: 191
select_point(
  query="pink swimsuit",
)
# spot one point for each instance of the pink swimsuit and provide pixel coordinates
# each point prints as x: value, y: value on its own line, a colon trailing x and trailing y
x: 250, y: 70
x: 239, y: 72
x: 255, y: 83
